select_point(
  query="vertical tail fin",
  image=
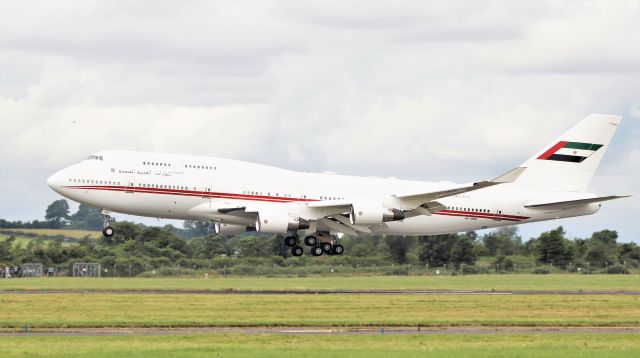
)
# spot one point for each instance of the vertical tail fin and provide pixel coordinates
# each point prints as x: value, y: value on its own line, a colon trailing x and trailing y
x: 569, y: 163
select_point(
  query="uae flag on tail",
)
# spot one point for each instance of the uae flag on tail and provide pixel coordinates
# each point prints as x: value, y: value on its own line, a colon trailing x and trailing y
x: 575, y: 152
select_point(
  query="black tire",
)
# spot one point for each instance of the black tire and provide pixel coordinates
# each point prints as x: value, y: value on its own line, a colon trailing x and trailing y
x: 297, y: 251
x: 108, y: 231
x: 338, y: 249
x: 316, y: 251
x: 290, y: 241
x: 310, y: 240
x: 326, y: 247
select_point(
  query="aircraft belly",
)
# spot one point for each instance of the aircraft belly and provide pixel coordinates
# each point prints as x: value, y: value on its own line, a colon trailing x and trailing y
x: 436, y: 225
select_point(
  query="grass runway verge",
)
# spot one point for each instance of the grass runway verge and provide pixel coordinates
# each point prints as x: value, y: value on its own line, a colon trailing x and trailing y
x: 201, y: 310
x: 270, y: 345
x: 522, y: 282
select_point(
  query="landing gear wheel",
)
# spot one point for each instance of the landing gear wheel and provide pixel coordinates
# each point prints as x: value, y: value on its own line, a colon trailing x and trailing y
x: 316, y: 251
x: 338, y: 249
x: 108, y: 231
x: 296, y: 251
x: 310, y: 240
x: 290, y: 241
x: 326, y: 247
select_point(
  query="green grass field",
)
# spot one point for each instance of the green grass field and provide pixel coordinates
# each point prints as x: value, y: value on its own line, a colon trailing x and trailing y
x: 76, y: 309
x: 568, y: 282
x: 270, y: 345
x: 174, y: 310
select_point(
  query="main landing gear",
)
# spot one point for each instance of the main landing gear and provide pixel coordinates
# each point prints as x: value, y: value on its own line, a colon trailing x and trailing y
x: 320, y: 243
x: 107, y: 231
x: 293, y: 242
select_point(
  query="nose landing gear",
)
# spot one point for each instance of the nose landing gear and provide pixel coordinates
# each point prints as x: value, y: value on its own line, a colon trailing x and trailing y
x: 107, y: 231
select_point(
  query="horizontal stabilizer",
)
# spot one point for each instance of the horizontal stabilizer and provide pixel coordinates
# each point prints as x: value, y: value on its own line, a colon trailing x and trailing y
x: 561, y: 205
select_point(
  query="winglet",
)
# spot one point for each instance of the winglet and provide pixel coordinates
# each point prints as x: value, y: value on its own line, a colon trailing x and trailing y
x: 510, y: 176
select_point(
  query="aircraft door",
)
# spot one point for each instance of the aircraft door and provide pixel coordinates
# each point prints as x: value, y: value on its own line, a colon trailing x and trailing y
x: 497, y: 209
x: 206, y: 190
x: 129, y: 185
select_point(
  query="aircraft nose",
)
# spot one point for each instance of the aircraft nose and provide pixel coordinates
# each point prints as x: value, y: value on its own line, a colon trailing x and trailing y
x: 55, y: 181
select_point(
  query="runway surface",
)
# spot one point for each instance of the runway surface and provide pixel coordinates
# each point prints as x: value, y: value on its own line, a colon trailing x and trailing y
x: 88, y: 332
x: 319, y: 292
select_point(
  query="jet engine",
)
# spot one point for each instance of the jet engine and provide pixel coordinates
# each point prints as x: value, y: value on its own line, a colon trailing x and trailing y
x: 227, y: 229
x: 367, y: 214
x: 277, y: 222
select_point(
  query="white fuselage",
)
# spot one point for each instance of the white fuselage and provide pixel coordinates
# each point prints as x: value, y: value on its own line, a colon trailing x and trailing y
x: 176, y: 186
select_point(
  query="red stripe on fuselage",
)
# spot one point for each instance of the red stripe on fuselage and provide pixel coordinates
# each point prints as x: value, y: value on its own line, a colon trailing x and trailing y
x: 194, y: 193
x: 484, y: 214
x: 479, y: 216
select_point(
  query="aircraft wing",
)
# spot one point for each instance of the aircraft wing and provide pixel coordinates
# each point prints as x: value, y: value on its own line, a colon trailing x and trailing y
x: 412, y: 201
x: 568, y: 204
x: 421, y: 203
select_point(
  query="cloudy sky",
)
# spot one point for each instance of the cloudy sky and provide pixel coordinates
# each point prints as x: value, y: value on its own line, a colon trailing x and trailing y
x: 421, y: 90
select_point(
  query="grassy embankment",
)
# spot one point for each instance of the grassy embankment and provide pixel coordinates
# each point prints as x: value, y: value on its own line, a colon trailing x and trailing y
x: 269, y: 345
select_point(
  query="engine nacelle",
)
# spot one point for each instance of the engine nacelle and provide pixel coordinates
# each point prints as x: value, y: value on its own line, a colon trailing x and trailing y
x: 277, y: 222
x: 366, y: 214
x: 227, y: 229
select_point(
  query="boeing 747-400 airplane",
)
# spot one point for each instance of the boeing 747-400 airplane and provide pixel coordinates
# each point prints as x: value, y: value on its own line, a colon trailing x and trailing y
x: 240, y: 196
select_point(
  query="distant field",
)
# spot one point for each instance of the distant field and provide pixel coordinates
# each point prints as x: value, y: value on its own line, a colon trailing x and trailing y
x: 202, y: 310
x: 76, y: 234
x: 569, y: 282
x: 270, y: 345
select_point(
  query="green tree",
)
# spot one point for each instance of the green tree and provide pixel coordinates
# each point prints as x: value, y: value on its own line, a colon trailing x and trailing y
x: 602, y: 248
x: 598, y: 254
x: 278, y: 248
x: 629, y: 252
x: 462, y: 251
x: 87, y: 218
x: 57, y: 213
x: 398, y: 247
x: 503, y: 241
x: 607, y: 237
x: 552, y: 248
x: 197, y: 228
x: 6, y: 250
x: 208, y: 247
x: 435, y: 250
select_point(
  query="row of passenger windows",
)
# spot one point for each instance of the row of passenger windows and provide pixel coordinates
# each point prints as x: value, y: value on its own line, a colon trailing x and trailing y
x: 193, y: 166
x: 95, y: 157
x: 163, y: 186
x: 143, y: 185
x: 249, y: 192
x: 471, y: 209
x: 94, y: 181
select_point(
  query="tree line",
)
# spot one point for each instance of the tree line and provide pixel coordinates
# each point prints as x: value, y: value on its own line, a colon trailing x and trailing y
x: 136, y: 249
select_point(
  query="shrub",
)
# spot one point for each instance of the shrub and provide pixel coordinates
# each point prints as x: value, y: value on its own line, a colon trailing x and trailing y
x: 541, y: 271
x: 616, y: 270
x: 469, y: 270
